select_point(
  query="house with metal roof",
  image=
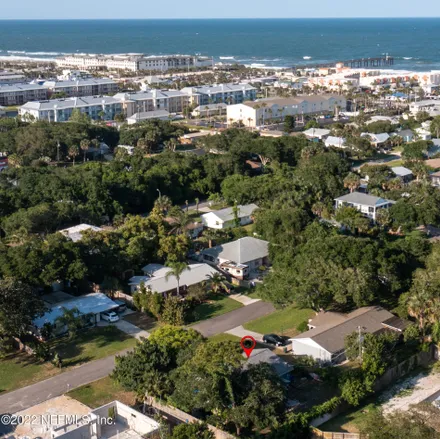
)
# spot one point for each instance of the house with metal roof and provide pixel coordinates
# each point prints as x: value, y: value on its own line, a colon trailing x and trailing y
x: 75, y: 233
x: 157, y: 280
x: 403, y: 173
x: 89, y: 306
x: 227, y: 218
x: 376, y: 139
x: 148, y: 115
x: 335, y: 142
x: 325, y: 340
x: 238, y: 258
x: 317, y: 133
x: 367, y: 204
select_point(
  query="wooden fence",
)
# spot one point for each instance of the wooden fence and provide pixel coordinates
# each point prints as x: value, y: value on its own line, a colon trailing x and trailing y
x: 318, y: 434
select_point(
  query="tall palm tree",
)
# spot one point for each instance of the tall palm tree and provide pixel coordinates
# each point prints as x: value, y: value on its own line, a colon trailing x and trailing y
x: 176, y: 270
x: 85, y: 146
x: 163, y: 203
x: 215, y: 283
x: 352, y: 181
x: 73, y: 153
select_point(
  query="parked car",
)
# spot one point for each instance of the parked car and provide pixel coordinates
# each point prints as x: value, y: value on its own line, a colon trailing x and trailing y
x: 122, y: 306
x: 109, y: 316
x: 274, y: 339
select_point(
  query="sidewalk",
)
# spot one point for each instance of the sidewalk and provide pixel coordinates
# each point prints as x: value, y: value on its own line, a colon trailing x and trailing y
x: 242, y: 298
x: 239, y: 331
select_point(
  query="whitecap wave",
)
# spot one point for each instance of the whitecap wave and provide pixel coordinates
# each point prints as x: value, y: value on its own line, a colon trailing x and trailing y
x: 407, y: 57
x: 226, y: 57
x: 307, y: 57
x: 25, y: 58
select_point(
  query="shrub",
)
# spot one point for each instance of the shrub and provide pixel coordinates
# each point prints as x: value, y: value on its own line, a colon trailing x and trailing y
x: 302, y: 327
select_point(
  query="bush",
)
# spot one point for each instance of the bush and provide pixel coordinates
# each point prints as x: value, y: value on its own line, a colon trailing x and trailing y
x: 302, y: 327
x: 42, y: 351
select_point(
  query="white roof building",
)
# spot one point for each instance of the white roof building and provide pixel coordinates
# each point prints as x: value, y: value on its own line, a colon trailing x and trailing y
x: 316, y: 133
x: 75, y: 233
x: 226, y: 218
x: 158, y: 282
x: 148, y: 115
x: 94, y: 303
x: 376, y: 139
x: 336, y: 142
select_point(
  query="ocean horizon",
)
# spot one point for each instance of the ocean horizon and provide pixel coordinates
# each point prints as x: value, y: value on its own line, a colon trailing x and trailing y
x: 276, y: 42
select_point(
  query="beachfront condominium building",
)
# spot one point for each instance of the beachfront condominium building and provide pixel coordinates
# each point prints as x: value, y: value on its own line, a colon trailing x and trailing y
x: 19, y: 94
x: 60, y: 110
x: 133, y: 63
x: 222, y: 93
x: 258, y: 113
x: 82, y: 87
x: 173, y: 101
x: 9, y: 77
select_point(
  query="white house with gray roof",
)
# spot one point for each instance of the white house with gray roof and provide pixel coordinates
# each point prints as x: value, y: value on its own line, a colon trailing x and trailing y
x: 60, y: 110
x: 238, y: 258
x: 325, y: 341
x: 367, y: 204
x: 226, y: 218
x: 157, y: 280
x: 75, y: 233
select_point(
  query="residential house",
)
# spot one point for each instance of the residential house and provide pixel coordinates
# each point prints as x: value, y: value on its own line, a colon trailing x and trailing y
x: 406, y: 135
x: 377, y: 140
x: 191, y: 138
x: 432, y: 107
x: 229, y: 217
x: 266, y: 356
x: 316, y: 133
x: 149, y: 115
x: 325, y: 339
x: 60, y: 110
x: 75, y: 233
x: 240, y: 258
x: 90, y: 307
x: 193, y: 230
x: 403, y: 173
x: 335, y: 142
x: 368, y: 205
x: 435, y: 178
x: 126, y: 423
x: 423, y: 133
x: 159, y: 282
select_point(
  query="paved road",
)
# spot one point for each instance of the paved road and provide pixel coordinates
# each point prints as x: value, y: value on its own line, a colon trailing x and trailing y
x: 235, y: 318
x: 26, y: 397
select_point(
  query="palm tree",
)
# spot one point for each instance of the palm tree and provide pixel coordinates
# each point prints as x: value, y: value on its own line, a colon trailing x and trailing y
x: 352, y: 181
x: 73, y: 152
x: 176, y: 270
x: 180, y: 219
x: 163, y: 203
x: 215, y: 283
x: 197, y: 201
x: 171, y: 144
x: 85, y: 146
x: 72, y: 319
x: 435, y: 126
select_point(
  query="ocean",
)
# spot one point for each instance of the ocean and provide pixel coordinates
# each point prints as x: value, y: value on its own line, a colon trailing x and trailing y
x: 413, y: 42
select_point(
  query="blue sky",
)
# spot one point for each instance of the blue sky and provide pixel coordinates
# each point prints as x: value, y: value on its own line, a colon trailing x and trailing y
x: 54, y: 9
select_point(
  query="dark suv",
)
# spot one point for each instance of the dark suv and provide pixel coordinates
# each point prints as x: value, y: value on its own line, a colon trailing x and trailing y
x: 273, y: 339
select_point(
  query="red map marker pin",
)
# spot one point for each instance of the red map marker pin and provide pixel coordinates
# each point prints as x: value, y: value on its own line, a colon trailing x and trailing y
x: 248, y: 344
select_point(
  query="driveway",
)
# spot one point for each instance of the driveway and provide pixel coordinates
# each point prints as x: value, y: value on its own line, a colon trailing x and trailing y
x: 233, y: 319
x: 26, y: 397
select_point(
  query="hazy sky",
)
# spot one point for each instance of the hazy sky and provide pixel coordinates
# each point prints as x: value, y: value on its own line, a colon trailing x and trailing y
x: 31, y: 9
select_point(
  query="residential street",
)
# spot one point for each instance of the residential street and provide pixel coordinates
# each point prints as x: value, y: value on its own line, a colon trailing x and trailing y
x: 34, y: 394
x: 233, y: 319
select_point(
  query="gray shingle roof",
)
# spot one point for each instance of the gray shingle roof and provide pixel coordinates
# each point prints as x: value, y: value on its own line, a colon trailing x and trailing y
x: 259, y: 356
x: 332, y: 336
x: 242, y: 250
x: 364, y: 199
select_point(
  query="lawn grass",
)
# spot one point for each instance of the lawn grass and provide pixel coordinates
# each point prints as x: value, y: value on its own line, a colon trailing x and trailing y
x: 92, y: 344
x: 20, y: 369
x: 282, y: 322
x: 213, y: 307
x: 102, y: 392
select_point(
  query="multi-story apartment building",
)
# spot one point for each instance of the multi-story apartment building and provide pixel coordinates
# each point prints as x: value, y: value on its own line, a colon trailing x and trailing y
x: 8, y: 77
x: 60, y: 110
x: 19, y: 94
x: 258, y: 113
x: 82, y: 87
x: 226, y: 93
x: 173, y: 101
x: 133, y: 63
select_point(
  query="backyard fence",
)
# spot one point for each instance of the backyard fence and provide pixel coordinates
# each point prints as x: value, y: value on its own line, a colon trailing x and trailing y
x: 185, y: 417
x: 318, y: 434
